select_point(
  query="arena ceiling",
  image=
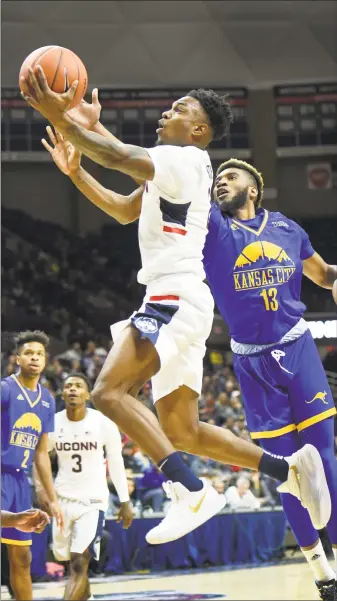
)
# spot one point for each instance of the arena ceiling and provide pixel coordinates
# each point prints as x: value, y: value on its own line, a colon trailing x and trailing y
x: 161, y: 43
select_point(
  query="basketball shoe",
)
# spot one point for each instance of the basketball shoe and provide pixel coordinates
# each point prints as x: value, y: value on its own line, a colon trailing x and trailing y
x: 306, y: 481
x: 187, y: 511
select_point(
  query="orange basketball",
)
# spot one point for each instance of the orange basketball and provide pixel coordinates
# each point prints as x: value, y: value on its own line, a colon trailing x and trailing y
x: 61, y: 68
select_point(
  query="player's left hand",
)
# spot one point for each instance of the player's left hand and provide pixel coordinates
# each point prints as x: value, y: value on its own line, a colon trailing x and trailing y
x: 40, y: 97
x: 32, y: 520
x: 57, y: 514
x: 125, y: 515
x: 85, y: 114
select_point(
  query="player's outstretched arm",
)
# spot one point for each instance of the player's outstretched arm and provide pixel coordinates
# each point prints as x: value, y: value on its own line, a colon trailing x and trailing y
x: 32, y: 520
x: 113, y: 447
x: 317, y: 270
x: 110, y: 153
x: 43, y: 468
x: 124, y: 209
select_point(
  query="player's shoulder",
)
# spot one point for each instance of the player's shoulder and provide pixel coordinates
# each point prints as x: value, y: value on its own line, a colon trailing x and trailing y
x: 188, y: 153
x: 104, y: 421
x: 60, y: 417
x: 217, y: 218
x: 48, y: 400
x: 5, y: 382
x: 279, y: 220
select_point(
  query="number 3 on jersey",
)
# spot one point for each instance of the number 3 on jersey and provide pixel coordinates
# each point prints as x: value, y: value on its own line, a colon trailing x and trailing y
x: 78, y: 465
x: 269, y: 297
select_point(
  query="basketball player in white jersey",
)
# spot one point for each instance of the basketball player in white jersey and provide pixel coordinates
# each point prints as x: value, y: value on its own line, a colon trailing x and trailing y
x: 81, y: 484
x: 165, y: 339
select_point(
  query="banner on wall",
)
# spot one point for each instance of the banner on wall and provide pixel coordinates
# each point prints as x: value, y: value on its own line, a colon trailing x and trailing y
x: 319, y: 176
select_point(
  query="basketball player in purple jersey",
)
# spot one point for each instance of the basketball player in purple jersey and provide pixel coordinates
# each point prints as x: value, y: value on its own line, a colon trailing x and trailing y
x: 254, y: 261
x: 165, y: 339
x: 27, y: 415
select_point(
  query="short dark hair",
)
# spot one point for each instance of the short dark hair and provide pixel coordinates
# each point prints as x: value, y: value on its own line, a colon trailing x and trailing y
x: 217, y: 108
x: 30, y: 336
x: 238, y: 164
x: 78, y: 374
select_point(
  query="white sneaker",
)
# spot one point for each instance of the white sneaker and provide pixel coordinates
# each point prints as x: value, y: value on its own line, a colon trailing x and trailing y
x: 307, y: 482
x: 187, y: 511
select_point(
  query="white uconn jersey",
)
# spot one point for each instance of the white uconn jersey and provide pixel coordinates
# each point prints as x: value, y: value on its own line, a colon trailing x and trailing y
x: 81, y: 464
x: 174, y: 215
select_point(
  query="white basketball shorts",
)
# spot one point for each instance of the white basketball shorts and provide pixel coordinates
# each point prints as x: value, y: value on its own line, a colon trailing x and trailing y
x: 177, y: 316
x: 83, y: 527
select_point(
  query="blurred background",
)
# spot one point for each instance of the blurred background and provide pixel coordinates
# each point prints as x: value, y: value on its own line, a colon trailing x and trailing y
x: 69, y: 269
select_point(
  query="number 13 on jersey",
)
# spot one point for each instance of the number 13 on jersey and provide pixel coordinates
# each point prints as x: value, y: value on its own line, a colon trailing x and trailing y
x: 269, y: 297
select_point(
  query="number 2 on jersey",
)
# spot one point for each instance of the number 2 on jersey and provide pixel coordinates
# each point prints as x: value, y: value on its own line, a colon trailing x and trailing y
x: 26, y: 457
x: 78, y: 467
x: 269, y: 297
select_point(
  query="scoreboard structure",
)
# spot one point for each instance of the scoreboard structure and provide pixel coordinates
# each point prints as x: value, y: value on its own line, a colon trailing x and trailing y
x: 306, y: 115
x: 131, y: 115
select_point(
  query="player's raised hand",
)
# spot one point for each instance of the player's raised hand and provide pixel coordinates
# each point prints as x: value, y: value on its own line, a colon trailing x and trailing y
x: 125, y: 515
x: 85, y: 114
x: 37, y: 93
x: 64, y: 154
x: 32, y: 520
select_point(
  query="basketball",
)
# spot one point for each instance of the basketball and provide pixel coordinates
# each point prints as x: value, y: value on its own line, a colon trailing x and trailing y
x: 334, y: 291
x: 61, y: 68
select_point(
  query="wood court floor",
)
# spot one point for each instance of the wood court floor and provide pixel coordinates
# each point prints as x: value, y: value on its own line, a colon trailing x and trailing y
x: 291, y: 581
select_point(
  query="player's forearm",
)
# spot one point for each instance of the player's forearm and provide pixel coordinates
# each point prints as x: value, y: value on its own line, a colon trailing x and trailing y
x: 122, y: 208
x: 105, y: 151
x: 118, y: 476
x: 44, y: 479
x: 330, y: 277
x: 8, y: 519
x: 99, y: 128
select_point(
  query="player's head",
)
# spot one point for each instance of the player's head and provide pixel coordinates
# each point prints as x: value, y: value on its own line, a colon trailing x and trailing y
x: 31, y: 352
x: 76, y: 390
x: 195, y: 119
x: 236, y: 184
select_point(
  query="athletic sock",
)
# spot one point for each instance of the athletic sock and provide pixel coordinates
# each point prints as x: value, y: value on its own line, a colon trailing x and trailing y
x: 275, y: 466
x: 319, y: 564
x: 176, y: 470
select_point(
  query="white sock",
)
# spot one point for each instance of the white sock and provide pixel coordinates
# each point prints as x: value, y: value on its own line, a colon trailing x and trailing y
x: 319, y: 564
x: 335, y: 556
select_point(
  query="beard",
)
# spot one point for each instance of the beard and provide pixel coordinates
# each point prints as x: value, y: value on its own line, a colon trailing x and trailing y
x: 231, y: 207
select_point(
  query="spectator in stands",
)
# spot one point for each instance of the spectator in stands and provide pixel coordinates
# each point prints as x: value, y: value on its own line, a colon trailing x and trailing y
x: 134, y: 459
x: 240, y: 497
x: 265, y: 489
x: 222, y: 409
x: 152, y: 492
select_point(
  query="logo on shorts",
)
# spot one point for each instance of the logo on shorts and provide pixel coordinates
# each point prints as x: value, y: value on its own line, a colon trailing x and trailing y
x: 321, y: 396
x: 277, y: 355
x: 148, y: 325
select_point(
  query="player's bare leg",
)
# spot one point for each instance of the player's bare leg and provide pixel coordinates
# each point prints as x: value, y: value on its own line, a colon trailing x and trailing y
x: 78, y: 587
x: 179, y: 417
x: 131, y: 362
x: 20, y: 559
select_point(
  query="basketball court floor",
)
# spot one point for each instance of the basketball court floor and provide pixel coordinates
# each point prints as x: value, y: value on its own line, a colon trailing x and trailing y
x: 288, y: 581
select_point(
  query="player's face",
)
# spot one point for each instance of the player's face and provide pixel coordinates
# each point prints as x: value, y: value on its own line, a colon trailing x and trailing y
x: 183, y: 124
x: 32, y: 359
x: 232, y: 189
x: 75, y: 392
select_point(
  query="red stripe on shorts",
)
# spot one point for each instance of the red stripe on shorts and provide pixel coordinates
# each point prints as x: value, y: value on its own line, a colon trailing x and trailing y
x: 167, y: 297
x: 174, y: 230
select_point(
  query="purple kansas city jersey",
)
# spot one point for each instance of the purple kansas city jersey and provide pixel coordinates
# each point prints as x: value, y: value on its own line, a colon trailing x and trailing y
x: 254, y: 269
x: 25, y: 416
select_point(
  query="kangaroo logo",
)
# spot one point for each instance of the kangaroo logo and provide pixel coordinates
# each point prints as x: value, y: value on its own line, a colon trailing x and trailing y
x: 277, y: 354
x: 321, y: 396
